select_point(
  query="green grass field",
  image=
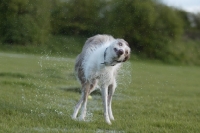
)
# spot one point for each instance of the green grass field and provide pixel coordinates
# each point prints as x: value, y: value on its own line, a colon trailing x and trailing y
x: 38, y: 94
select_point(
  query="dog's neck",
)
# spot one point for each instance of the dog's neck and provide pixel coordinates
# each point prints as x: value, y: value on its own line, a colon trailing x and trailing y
x: 107, y: 63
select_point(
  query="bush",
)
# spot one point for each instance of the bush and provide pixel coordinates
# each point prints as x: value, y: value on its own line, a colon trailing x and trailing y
x: 185, y: 52
x: 24, y: 21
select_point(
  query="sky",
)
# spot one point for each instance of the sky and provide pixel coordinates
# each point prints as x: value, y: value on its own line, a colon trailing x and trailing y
x: 188, y: 5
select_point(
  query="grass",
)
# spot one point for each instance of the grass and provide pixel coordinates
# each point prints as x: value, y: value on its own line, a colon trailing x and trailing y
x: 38, y: 94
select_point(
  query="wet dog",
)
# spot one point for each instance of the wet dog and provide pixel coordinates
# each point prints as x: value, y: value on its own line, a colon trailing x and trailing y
x: 97, y: 66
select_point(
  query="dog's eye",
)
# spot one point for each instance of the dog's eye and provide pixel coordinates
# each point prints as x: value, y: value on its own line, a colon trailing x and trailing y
x: 120, y: 44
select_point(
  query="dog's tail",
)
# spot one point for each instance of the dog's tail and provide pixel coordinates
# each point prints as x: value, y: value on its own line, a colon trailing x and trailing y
x: 78, y: 69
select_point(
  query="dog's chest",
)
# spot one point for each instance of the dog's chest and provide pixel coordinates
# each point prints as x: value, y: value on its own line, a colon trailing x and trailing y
x: 104, y: 76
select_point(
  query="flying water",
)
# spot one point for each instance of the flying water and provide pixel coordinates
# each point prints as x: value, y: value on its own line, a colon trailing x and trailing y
x: 124, y: 78
x: 50, y: 69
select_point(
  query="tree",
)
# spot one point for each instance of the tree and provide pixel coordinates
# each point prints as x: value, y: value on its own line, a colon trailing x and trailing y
x: 147, y: 25
x: 76, y: 17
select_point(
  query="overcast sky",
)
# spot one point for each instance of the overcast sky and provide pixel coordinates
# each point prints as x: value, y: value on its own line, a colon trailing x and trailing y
x: 188, y: 5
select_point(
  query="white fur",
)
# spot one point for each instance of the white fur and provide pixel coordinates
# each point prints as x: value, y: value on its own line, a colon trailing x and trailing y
x: 100, y: 70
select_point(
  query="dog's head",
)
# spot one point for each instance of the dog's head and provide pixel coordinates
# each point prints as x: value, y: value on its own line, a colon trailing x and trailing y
x: 120, y: 50
x: 117, y: 52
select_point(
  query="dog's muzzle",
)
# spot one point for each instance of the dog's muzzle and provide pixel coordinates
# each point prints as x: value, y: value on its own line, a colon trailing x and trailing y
x: 119, y: 52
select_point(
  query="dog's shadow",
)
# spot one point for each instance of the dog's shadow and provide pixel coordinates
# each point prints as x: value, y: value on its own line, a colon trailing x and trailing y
x: 70, y: 89
x: 78, y: 90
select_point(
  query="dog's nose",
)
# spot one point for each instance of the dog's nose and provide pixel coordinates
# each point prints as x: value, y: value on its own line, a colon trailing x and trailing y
x: 120, y: 52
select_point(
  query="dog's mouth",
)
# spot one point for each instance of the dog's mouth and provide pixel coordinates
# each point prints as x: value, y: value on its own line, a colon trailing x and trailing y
x: 113, y: 62
x: 117, y: 61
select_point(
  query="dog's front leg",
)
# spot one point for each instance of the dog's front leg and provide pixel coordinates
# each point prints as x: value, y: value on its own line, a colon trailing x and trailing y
x: 104, y: 92
x: 111, y: 90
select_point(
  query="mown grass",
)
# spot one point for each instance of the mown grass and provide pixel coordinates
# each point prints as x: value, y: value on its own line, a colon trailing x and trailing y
x: 38, y: 94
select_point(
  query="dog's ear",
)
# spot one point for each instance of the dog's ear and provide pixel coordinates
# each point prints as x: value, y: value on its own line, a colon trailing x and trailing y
x: 127, y: 44
x: 123, y: 41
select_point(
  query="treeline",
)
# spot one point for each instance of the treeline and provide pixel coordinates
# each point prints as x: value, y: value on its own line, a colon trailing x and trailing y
x: 149, y: 26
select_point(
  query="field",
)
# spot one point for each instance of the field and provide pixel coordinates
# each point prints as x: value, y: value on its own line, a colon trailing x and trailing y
x: 38, y: 94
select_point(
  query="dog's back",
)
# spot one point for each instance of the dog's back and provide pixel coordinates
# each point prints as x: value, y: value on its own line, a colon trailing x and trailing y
x: 96, y: 41
x: 89, y: 47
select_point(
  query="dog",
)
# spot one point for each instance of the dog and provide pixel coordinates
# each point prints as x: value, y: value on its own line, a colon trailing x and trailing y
x: 96, y: 67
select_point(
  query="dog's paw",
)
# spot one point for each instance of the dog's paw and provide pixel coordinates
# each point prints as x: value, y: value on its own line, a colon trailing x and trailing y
x: 81, y: 118
x: 74, y: 118
x: 112, y: 118
x: 108, y: 122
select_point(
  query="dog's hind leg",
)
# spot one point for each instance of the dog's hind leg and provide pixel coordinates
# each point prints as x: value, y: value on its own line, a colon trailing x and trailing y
x: 104, y: 92
x: 93, y: 85
x: 87, y: 89
x: 85, y: 93
x: 77, y: 107
x: 111, y: 90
